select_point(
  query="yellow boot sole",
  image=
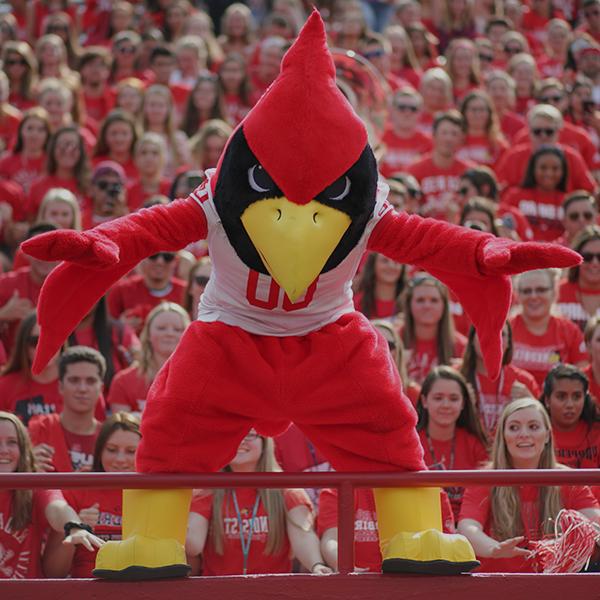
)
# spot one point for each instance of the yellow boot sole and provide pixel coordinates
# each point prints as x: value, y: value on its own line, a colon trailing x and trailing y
x: 140, y: 557
x: 429, y: 552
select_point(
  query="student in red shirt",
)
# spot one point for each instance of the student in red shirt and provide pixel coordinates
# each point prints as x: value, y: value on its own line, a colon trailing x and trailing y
x: 574, y: 417
x: 522, y: 68
x: 197, y: 279
x: 116, y: 142
x: 491, y: 396
x: 20, y: 66
x: 150, y: 160
x: 27, y: 160
x: 542, y: 191
x: 462, y: 66
x: 544, y: 122
x: 131, y: 299
x: 501, y: 88
x: 94, y: 67
x: 483, y: 143
x: 162, y: 331
x: 101, y: 510
x: 234, y: 85
x: 428, y: 332
x: 439, y: 171
x: 60, y: 208
x: 449, y: 427
x: 499, y: 521
x: 404, y: 142
x: 248, y: 531
x: 27, y: 515
x: 579, y: 210
x: 592, y: 371
x: 208, y: 144
x: 379, y: 287
x: 21, y: 392
x: 403, y: 62
x: 540, y: 338
x: 579, y: 294
x: 204, y: 102
x: 67, y: 167
x: 65, y: 441
x: 436, y: 91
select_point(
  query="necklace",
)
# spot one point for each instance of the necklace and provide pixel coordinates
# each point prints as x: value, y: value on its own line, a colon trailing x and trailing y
x: 245, y: 541
x: 454, y: 492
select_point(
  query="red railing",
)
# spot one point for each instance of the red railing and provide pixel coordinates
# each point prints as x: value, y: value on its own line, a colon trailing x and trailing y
x: 344, y: 482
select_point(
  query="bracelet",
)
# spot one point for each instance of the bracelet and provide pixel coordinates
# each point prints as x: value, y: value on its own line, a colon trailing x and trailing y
x: 316, y: 564
x: 72, y: 525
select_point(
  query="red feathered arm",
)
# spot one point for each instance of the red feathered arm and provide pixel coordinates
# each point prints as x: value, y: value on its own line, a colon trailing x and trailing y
x: 96, y: 259
x: 475, y: 266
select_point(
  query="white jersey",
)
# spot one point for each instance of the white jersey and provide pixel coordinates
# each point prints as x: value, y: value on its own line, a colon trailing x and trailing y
x: 237, y: 295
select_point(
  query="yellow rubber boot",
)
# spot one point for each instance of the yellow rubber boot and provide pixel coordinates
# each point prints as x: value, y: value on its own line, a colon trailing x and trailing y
x: 153, y: 545
x: 410, y: 534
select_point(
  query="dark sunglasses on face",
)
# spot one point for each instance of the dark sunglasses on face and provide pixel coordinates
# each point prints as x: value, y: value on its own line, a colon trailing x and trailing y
x: 550, y: 99
x: 126, y: 50
x: 112, y: 185
x: 406, y: 107
x: 588, y: 257
x: 414, y: 194
x: 168, y: 257
x: 11, y: 62
x: 486, y: 58
x: 547, y: 131
x: 575, y: 216
x: 512, y: 50
x: 33, y: 340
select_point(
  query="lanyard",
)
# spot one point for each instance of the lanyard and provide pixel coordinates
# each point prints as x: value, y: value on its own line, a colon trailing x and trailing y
x: 454, y: 492
x: 245, y: 542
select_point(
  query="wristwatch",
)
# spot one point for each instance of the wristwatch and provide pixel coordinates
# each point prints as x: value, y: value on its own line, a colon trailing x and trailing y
x: 72, y: 525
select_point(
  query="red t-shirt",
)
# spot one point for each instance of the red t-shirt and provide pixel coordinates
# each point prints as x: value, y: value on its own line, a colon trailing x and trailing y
x: 469, y: 453
x: 570, y: 135
x: 383, y: 308
x: 423, y: 357
x: 27, y: 398
x: 42, y: 185
x: 130, y: 388
x: 511, y: 168
x: 231, y: 561
x: 235, y: 109
x: 562, y: 342
x: 9, y: 124
x: 108, y: 527
x: 476, y: 505
x: 479, y: 149
x: 72, y: 451
x: 511, y: 123
x: 493, y: 396
x: 570, y: 306
x: 97, y: 107
x: 580, y: 447
x: 543, y: 210
x: 131, y: 294
x: 137, y: 195
x: 402, y: 152
x: 21, y: 170
x: 438, y: 185
x: 21, y: 551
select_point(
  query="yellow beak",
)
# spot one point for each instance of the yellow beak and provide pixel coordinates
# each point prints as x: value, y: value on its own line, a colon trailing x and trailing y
x: 293, y: 241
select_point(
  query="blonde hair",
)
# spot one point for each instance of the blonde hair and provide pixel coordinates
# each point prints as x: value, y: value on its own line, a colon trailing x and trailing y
x: 147, y: 352
x: 398, y: 352
x: 152, y: 139
x: 271, y: 499
x: 66, y: 197
x: 506, y: 501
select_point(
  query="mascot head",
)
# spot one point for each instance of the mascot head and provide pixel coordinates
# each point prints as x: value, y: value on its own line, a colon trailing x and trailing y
x: 296, y: 184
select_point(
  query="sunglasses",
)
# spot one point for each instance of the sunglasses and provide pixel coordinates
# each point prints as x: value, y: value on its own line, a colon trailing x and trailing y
x: 538, y: 291
x: 126, y: 50
x: 550, y: 99
x: 11, y: 62
x: 547, y: 131
x: 406, y: 107
x: 414, y: 194
x: 33, y: 340
x: 201, y: 280
x: 588, y: 257
x: 575, y: 216
x: 168, y: 257
x: 512, y: 50
x: 105, y: 185
x: 486, y: 58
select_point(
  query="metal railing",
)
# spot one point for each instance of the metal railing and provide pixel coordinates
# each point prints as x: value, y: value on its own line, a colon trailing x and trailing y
x: 346, y: 483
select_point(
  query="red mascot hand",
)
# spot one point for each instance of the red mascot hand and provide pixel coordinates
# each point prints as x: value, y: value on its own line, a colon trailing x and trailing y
x: 501, y: 256
x: 88, y: 248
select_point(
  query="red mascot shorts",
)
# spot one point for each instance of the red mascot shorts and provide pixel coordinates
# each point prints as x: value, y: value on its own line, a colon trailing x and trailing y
x: 338, y: 384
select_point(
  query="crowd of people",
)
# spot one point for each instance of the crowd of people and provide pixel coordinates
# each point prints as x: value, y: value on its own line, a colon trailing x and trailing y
x: 482, y: 113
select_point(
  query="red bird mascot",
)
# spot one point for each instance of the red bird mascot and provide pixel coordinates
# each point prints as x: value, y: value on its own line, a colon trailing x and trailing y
x: 290, y: 210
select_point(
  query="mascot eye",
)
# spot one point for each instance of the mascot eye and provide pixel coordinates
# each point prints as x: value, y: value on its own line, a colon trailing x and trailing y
x: 338, y: 190
x: 259, y: 180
